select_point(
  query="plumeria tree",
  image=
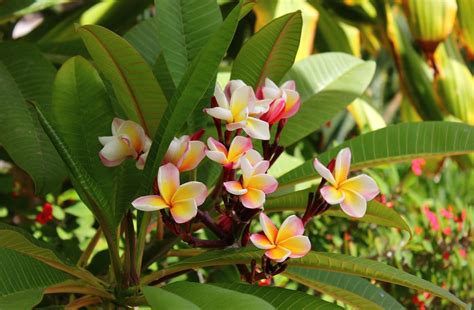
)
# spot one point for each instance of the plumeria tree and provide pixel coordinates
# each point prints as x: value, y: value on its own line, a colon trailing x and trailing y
x: 172, y: 164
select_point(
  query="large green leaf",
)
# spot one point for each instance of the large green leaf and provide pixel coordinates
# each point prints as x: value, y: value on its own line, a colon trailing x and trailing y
x: 26, y: 75
x: 21, y: 243
x: 207, y: 296
x: 393, y: 144
x: 80, y: 117
x: 280, y: 298
x: 18, y: 8
x: 192, y: 88
x: 135, y: 86
x: 376, y: 213
x: 314, y: 260
x: 327, y: 83
x: 161, y: 299
x: 270, y: 52
x: 183, y: 28
x: 351, y: 290
x: 23, y: 299
x: 143, y: 37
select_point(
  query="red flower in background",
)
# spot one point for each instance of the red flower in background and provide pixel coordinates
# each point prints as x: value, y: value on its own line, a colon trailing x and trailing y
x: 417, y: 166
x: 432, y: 218
x: 46, y: 214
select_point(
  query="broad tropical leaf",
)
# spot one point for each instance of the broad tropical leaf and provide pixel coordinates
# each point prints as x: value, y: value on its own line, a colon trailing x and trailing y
x: 26, y: 75
x: 192, y: 88
x: 376, y: 212
x: 392, y: 144
x: 159, y: 298
x: 135, y: 86
x: 351, y: 290
x: 18, y: 8
x: 143, y: 38
x: 206, y: 296
x: 314, y: 260
x: 23, y: 299
x: 183, y: 28
x: 280, y: 298
x: 270, y: 52
x: 327, y: 83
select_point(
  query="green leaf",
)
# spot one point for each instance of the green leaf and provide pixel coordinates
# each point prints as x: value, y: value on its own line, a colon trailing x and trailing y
x: 26, y: 75
x: 24, y: 299
x: 183, y: 27
x: 161, y: 299
x: 135, y: 86
x: 18, y: 8
x: 327, y: 83
x: 79, y: 124
x: 21, y: 243
x: 280, y: 298
x: 377, y: 213
x: 314, y: 260
x: 393, y: 144
x: 270, y: 52
x: 206, y: 296
x: 192, y: 88
x: 351, y: 290
x: 143, y: 38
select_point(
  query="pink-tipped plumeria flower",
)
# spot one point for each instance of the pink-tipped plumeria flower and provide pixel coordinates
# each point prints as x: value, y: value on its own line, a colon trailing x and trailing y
x: 352, y: 194
x: 285, y: 100
x: 287, y: 242
x: 231, y: 158
x: 128, y: 140
x: 241, y: 110
x: 185, y: 153
x: 255, y: 182
x: 182, y: 200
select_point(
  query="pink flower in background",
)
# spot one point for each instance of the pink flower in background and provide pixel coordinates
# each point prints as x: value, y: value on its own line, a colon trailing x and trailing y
x: 417, y: 166
x: 447, y: 231
x: 285, y: 100
x: 432, y: 218
x: 448, y: 214
x: 463, y: 253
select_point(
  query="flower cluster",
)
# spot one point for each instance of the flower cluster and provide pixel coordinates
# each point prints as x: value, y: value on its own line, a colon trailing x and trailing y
x: 46, y: 214
x: 240, y: 115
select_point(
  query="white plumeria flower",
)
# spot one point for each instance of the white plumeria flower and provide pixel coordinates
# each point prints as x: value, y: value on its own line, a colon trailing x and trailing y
x: 241, y: 110
x: 128, y: 140
x: 285, y: 100
x: 228, y: 158
x: 352, y: 194
x: 182, y: 200
x: 255, y: 182
x: 185, y: 153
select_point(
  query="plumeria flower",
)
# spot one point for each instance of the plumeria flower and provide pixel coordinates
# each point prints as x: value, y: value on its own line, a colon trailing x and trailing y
x: 241, y: 110
x: 228, y: 158
x: 185, y: 153
x: 255, y: 183
x: 352, y: 194
x: 128, y: 140
x: 287, y: 242
x: 182, y: 200
x: 285, y: 100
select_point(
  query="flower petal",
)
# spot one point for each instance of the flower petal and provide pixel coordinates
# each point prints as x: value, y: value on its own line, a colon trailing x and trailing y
x: 116, y: 125
x: 168, y: 181
x: 220, y: 113
x: 134, y: 133
x: 271, y: 90
x: 149, y: 203
x: 278, y: 254
x: 343, y: 165
x: 191, y: 190
x: 268, y: 227
x: 298, y: 245
x: 263, y: 182
x: 235, y: 125
x: 176, y: 150
x: 292, y: 226
x: 362, y: 184
x: 353, y: 204
x: 220, y: 97
x: 184, y: 210
x: 253, y: 157
x: 218, y: 157
x: 261, y: 167
x: 105, y: 140
x: 253, y: 199
x: 238, y: 147
x: 332, y: 195
x: 260, y: 107
x: 195, y: 153
x: 323, y: 171
x: 239, y: 102
x: 216, y: 146
x: 235, y: 188
x: 141, y: 161
x: 232, y: 86
x: 257, y: 129
x: 261, y: 241
x: 115, y: 152
x: 293, y: 103
x: 289, y: 85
